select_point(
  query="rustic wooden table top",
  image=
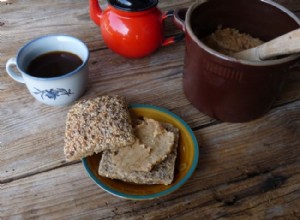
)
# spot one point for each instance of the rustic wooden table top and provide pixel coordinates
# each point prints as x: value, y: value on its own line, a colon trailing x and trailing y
x: 245, y: 170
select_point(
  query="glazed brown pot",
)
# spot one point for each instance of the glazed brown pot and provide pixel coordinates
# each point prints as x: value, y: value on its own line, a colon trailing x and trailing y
x: 221, y: 86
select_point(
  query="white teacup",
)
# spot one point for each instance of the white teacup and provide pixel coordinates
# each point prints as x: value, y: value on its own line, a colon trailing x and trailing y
x: 54, y: 90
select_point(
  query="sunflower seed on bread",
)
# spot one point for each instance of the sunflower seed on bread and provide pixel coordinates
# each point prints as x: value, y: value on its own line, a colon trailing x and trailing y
x: 161, y: 173
x: 97, y: 124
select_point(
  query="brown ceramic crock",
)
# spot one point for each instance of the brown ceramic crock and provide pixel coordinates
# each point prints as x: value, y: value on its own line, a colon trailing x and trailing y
x: 221, y: 86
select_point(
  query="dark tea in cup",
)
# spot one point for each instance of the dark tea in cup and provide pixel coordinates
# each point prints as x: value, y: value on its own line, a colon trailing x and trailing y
x: 53, y: 64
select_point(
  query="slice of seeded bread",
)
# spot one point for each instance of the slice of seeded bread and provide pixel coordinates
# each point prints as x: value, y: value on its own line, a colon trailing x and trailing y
x: 162, y: 173
x: 97, y: 124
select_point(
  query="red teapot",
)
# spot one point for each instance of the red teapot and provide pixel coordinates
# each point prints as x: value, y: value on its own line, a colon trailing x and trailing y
x: 132, y: 28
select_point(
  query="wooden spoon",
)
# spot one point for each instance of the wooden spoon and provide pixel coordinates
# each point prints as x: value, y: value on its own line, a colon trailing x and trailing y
x: 284, y: 45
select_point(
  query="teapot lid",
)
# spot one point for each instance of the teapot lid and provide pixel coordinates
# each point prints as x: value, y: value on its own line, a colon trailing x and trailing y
x: 133, y: 5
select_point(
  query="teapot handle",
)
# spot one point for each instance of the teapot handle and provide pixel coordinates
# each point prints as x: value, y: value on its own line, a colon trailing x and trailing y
x: 173, y: 38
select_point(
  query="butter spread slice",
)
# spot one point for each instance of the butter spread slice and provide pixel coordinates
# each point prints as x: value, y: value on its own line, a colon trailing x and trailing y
x: 152, y: 146
x: 131, y: 157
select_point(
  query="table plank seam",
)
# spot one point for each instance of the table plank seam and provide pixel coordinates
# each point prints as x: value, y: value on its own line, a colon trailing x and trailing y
x: 218, y: 122
x: 211, y: 123
x: 98, y: 49
x: 252, y: 207
x: 286, y: 103
x: 26, y: 175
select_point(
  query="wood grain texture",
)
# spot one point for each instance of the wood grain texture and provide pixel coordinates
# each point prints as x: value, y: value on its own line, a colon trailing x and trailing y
x: 245, y: 171
x: 263, y: 188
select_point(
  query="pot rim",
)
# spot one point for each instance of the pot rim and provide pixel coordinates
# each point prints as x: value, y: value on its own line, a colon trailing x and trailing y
x: 152, y: 4
x: 232, y: 59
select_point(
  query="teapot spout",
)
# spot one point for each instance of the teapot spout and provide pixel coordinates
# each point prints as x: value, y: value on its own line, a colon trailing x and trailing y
x: 95, y: 12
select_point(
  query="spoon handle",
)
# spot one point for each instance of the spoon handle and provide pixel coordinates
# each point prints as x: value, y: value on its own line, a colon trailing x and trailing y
x: 286, y: 44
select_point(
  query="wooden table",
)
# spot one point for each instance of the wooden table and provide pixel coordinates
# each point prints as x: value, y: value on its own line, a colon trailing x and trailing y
x: 245, y: 171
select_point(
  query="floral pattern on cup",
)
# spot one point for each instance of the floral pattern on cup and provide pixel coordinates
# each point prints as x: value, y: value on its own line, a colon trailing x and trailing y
x: 53, y: 93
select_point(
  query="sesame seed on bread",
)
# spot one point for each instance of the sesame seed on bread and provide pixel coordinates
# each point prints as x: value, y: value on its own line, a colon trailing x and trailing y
x: 95, y: 125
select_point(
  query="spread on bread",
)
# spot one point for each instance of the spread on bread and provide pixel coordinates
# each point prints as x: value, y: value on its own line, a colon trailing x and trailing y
x: 141, y: 151
x: 162, y: 172
x: 153, y: 144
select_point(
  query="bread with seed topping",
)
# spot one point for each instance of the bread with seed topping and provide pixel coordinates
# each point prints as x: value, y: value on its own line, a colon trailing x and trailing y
x: 98, y: 124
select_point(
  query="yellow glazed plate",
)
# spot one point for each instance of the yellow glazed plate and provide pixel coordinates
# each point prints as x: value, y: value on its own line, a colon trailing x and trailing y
x: 186, y: 161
